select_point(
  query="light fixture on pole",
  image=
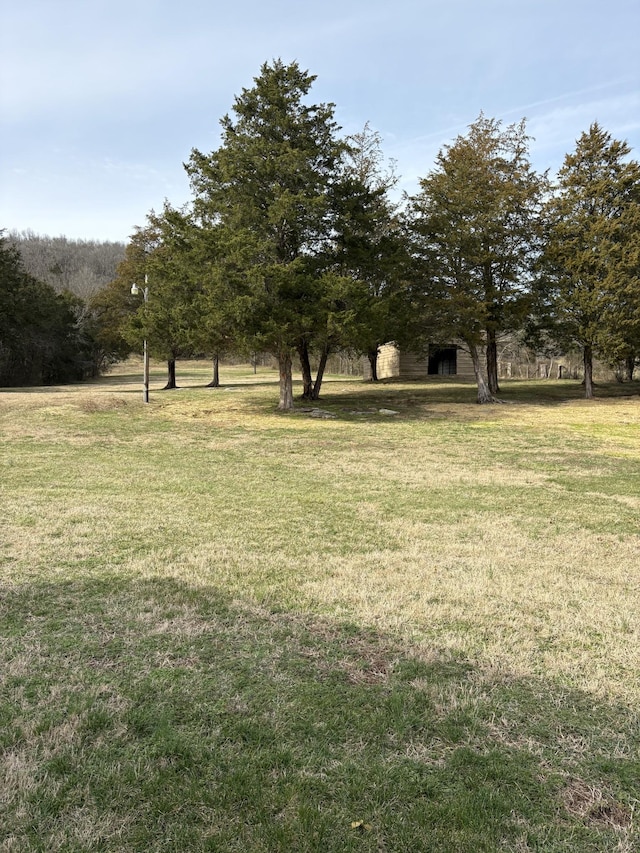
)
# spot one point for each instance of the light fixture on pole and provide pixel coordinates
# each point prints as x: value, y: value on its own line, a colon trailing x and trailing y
x: 135, y: 290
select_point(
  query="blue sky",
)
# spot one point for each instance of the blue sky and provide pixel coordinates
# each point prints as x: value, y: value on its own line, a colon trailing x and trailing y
x: 101, y: 101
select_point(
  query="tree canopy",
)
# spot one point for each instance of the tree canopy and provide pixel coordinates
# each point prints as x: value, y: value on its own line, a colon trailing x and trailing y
x: 592, y: 254
x: 476, y: 233
x: 266, y: 192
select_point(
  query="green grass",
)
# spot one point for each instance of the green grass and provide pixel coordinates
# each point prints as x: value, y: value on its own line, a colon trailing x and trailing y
x: 225, y: 628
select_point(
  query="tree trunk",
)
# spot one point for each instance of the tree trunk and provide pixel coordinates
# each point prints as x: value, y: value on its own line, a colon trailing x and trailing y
x: 372, y: 355
x: 215, y: 382
x: 588, y: 372
x: 320, y: 373
x: 629, y: 364
x: 286, y: 382
x: 492, y: 361
x: 305, y: 366
x: 484, y: 394
x: 171, y: 375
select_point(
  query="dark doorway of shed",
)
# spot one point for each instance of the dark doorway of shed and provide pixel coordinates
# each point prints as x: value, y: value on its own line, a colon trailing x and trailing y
x: 442, y: 361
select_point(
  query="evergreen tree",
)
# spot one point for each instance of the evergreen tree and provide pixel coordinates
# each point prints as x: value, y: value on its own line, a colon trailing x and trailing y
x: 592, y: 259
x: 214, y: 333
x: 169, y: 315
x: 477, y: 232
x: 266, y: 192
x: 157, y: 260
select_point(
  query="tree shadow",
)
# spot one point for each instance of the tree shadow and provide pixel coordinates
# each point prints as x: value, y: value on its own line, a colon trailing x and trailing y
x: 411, y: 399
x: 191, y: 720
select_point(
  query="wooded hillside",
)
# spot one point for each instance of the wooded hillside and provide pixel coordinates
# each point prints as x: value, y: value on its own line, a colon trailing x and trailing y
x: 80, y: 266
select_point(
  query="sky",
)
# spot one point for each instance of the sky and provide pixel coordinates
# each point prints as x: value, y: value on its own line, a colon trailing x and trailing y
x: 102, y: 101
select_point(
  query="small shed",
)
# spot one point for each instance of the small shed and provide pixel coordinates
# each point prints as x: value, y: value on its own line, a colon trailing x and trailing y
x: 441, y: 360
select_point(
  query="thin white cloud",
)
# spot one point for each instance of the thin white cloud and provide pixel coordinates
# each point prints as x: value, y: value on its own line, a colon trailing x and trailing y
x: 555, y: 131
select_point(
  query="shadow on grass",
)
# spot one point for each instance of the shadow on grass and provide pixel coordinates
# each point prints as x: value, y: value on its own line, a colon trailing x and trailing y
x: 411, y: 400
x: 348, y: 399
x: 151, y: 715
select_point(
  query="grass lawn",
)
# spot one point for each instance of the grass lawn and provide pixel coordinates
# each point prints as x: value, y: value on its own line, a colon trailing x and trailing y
x: 224, y: 628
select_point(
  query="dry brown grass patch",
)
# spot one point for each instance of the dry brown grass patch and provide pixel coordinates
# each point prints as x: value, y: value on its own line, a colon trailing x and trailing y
x: 595, y: 806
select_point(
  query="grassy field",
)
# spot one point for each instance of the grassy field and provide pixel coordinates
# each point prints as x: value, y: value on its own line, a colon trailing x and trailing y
x: 228, y: 629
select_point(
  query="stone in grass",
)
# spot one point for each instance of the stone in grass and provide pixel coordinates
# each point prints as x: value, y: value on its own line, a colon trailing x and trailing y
x: 387, y: 412
x: 321, y: 413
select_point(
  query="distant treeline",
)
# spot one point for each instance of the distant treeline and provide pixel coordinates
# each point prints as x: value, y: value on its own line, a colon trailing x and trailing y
x: 49, y: 331
x: 82, y: 267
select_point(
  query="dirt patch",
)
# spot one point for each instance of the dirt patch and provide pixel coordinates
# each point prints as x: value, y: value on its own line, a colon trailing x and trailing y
x: 594, y: 806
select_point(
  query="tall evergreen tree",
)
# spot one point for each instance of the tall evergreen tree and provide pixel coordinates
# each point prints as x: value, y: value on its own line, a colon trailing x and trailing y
x: 214, y: 333
x: 266, y: 191
x: 592, y: 260
x: 169, y: 316
x: 476, y: 223
x: 157, y: 259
